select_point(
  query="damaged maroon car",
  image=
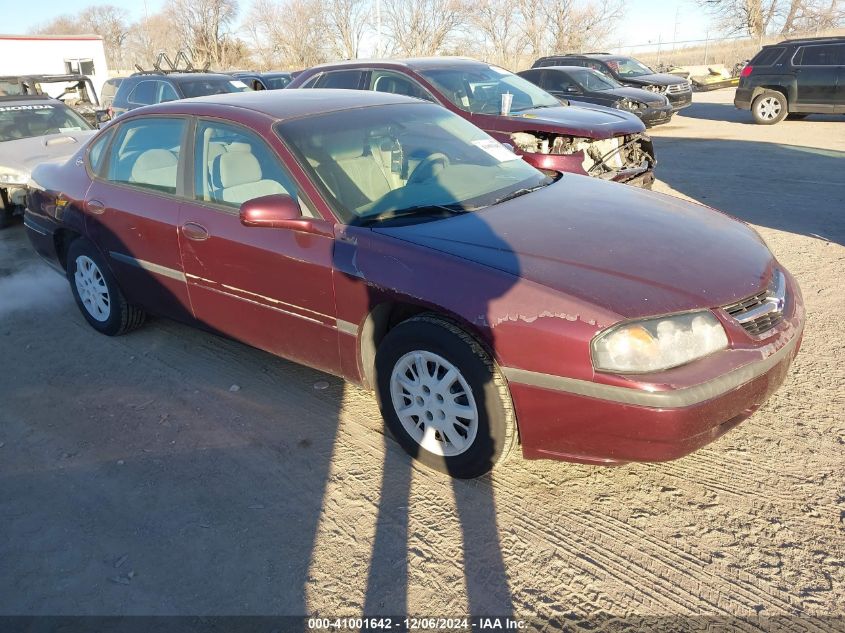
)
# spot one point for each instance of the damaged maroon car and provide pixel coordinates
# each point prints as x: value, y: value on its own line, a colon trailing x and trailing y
x: 390, y: 242
x: 549, y: 133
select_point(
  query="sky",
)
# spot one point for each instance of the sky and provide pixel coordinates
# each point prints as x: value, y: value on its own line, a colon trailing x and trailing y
x: 645, y: 20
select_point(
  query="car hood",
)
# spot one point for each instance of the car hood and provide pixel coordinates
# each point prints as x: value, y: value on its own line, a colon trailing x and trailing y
x: 630, y: 251
x: 657, y: 79
x: 25, y: 153
x: 581, y: 120
x: 638, y: 94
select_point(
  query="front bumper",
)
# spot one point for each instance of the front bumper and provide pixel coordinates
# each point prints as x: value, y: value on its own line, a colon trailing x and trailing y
x: 587, y: 422
x: 657, y: 115
x: 680, y: 100
x: 640, y: 176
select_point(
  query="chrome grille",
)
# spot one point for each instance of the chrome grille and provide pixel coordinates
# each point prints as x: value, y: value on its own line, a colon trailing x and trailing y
x: 761, y: 312
x: 678, y: 88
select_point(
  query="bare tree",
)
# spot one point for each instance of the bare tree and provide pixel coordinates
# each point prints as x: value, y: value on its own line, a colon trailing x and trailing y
x: 753, y: 17
x: 577, y: 27
x: 276, y: 44
x: 148, y: 37
x: 498, y: 23
x: 204, y: 28
x: 112, y: 24
x: 345, y: 22
x: 812, y: 15
x: 423, y: 27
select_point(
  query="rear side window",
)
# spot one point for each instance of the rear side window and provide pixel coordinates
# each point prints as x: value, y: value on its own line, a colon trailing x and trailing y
x: 819, y: 55
x: 768, y: 56
x: 348, y: 79
x: 145, y: 153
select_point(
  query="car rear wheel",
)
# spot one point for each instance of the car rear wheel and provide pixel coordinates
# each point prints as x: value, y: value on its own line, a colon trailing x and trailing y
x: 769, y: 108
x: 443, y: 397
x: 96, y: 292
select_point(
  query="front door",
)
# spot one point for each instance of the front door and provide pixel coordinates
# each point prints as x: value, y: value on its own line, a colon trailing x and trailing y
x: 268, y: 287
x: 133, y: 209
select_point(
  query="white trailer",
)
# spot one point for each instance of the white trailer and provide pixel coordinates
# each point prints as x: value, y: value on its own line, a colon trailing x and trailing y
x: 54, y: 55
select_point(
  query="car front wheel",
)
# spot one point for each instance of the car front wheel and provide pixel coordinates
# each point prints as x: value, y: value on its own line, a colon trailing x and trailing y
x: 96, y: 291
x: 769, y: 108
x: 443, y: 397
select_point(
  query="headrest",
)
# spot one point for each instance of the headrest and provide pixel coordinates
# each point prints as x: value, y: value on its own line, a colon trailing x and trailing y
x: 236, y: 168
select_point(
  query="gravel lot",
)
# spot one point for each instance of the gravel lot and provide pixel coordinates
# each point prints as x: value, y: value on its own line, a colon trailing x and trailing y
x: 136, y: 479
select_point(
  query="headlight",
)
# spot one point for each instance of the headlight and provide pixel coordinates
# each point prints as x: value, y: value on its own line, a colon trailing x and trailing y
x: 657, y: 344
x: 658, y: 89
x: 10, y: 176
x: 628, y: 104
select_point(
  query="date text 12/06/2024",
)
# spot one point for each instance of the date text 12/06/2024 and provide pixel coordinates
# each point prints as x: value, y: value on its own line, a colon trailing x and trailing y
x: 405, y: 623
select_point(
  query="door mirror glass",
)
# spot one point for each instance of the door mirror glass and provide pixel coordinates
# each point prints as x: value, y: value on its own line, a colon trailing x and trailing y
x: 274, y: 211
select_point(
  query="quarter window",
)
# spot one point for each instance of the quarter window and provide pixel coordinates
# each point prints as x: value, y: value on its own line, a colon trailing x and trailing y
x: 234, y: 165
x: 146, y: 152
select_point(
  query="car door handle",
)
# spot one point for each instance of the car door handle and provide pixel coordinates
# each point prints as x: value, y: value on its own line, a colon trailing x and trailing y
x: 194, y: 231
x: 95, y: 206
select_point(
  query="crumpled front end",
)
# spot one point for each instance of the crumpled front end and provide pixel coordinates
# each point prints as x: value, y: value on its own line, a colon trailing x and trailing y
x: 628, y: 158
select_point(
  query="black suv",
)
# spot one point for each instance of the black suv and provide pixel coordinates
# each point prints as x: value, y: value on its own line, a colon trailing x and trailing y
x: 147, y: 88
x: 794, y: 78
x: 628, y: 72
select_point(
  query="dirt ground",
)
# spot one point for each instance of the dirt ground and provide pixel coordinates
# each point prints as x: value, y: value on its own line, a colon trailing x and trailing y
x: 172, y: 472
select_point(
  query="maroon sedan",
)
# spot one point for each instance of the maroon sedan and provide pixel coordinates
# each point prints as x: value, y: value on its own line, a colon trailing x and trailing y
x: 548, y: 133
x: 392, y: 243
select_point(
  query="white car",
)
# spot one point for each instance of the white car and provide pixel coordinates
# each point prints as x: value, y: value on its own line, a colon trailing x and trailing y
x: 33, y: 130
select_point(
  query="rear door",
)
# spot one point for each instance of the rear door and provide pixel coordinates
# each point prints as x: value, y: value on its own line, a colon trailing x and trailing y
x: 133, y: 208
x: 816, y: 70
x: 268, y: 287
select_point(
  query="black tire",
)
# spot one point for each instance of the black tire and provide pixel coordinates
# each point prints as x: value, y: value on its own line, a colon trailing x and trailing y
x: 796, y: 116
x: 122, y: 316
x: 496, y: 426
x: 769, y: 107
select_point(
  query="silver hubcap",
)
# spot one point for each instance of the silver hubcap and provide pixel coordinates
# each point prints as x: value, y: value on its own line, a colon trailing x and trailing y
x: 434, y: 403
x: 768, y: 108
x: 92, y: 288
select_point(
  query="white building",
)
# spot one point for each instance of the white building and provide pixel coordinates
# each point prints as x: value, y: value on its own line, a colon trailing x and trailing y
x: 54, y: 55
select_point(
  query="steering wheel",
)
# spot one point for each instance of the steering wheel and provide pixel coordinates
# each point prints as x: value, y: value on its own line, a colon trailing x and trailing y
x: 425, y: 170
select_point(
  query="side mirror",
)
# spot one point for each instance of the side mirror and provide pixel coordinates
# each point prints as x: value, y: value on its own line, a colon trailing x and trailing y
x: 102, y: 116
x: 573, y: 90
x: 280, y: 211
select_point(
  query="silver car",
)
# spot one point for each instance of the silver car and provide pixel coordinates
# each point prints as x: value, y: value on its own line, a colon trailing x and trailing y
x: 33, y: 129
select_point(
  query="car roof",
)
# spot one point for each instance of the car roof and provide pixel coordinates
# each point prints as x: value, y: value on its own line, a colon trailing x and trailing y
x: 285, y: 104
x: 181, y: 76
x: 834, y: 39
x: 564, y: 67
x: 599, y: 56
x: 414, y: 63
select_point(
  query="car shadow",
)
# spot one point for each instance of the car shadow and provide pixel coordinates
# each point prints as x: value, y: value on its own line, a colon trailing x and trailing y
x: 244, y: 537
x: 785, y: 187
x: 727, y: 112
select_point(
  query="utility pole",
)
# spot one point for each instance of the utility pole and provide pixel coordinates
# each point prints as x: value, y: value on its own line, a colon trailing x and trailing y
x: 378, y: 28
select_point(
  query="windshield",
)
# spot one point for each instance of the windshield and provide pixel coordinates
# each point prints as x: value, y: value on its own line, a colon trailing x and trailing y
x: 214, y: 86
x: 628, y: 67
x: 41, y: 119
x: 479, y: 89
x: 417, y: 161
x: 593, y: 80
